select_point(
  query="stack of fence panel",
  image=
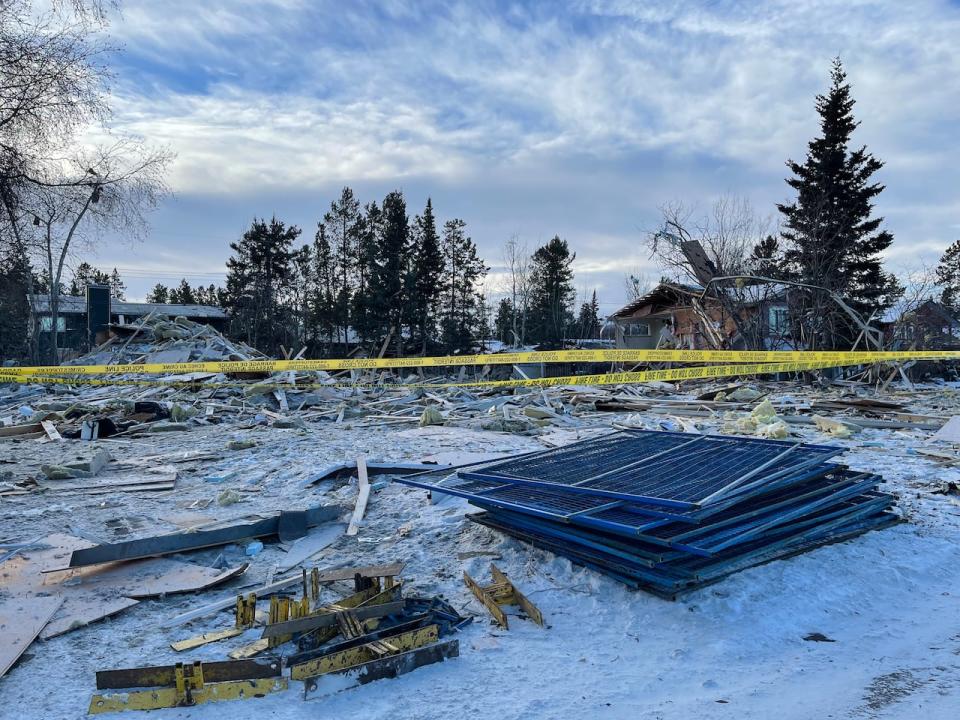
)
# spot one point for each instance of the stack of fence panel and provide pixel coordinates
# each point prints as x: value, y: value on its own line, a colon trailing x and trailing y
x: 671, y: 512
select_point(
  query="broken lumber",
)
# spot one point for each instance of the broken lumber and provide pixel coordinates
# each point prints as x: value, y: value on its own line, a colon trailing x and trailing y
x: 363, y: 496
x: 21, y: 620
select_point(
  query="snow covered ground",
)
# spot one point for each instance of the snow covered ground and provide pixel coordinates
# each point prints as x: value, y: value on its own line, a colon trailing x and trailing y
x: 889, y: 601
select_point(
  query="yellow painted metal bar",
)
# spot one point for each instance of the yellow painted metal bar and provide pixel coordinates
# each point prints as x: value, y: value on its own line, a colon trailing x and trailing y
x: 170, y: 697
x: 344, y: 659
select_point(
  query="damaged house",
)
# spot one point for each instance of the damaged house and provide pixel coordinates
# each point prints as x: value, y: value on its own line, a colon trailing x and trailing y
x: 931, y: 325
x: 674, y: 315
x: 81, y: 319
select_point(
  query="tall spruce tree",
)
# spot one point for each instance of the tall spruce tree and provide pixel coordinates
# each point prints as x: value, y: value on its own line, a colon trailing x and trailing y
x: 389, y: 278
x: 15, y: 283
x: 183, y: 294
x: 258, y: 275
x: 551, y: 293
x: 364, y: 322
x: 86, y: 274
x: 427, y: 276
x: 341, y: 222
x: 460, y: 319
x: 323, y: 320
x: 118, y: 288
x: 833, y: 240
x: 588, y: 321
x: 503, y: 322
x: 948, y: 276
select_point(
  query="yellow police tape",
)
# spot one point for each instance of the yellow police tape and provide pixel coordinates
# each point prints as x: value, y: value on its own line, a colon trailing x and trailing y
x: 555, y: 356
x: 617, y: 378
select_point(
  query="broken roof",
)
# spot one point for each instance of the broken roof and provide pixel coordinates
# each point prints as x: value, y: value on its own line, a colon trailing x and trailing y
x: 662, y: 294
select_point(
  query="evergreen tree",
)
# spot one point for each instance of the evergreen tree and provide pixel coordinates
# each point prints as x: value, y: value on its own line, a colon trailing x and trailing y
x: 464, y: 270
x: 427, y: 273
x: 483, y: 322
x: 766, y: 260
x: 551, y: 292
x: 258, y: 275
x: 833, y: 240
x: 210, y: 295
x: 369, y: 226
x: 948, y: 275
x: 183, y: 294
x: 341, y: 222
x: 388, y: 281
x: 15, y: 283
x: 503, y: 322
x: 322, y: 311
x: 588, y: 321
x: 295, y: 297
x: 117, y: 288
x: 159, y: 294
x: 85, y: 274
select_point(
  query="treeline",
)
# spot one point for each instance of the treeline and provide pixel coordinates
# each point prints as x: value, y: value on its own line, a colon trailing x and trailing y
x: 377, y: 278
x: 185, y: 294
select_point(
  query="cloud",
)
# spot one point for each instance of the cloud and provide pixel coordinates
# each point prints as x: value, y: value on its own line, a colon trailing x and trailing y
x: 520, y: 113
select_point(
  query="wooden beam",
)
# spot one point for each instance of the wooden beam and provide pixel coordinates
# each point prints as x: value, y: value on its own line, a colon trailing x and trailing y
x: 363, y: 496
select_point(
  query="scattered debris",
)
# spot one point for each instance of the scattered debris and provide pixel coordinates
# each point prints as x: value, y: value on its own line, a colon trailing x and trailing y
x: 363, y: 496
x: 185, y: 685
x: 502, y: 592
x: 180, y: 542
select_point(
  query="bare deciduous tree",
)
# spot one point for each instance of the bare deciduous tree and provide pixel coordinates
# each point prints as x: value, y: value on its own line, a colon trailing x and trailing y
x: 57, y: 193
x: 636, y: 284
x: 516, y: 257
x: 728, y: 232
x: 104, y: 190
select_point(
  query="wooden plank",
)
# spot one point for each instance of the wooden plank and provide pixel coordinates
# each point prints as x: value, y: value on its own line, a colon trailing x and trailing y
x: 363, y: 496
x: 80, y: 610
x: 206, y: 639
x: 50, y: 429
x: 123, y: 483
x: 306, y: 547
x: 22, y: 432
x: 21, y: 620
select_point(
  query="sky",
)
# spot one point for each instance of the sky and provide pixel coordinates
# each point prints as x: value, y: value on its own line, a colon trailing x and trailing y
x: 579, y: 118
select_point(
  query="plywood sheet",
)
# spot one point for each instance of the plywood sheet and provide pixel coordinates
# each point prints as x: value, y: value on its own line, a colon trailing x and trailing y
x: 21, y: 620
x: 93, y: 593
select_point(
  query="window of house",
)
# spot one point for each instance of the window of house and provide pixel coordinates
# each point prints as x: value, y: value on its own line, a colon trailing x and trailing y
x: 637, y: 330
x: 46, y: 323
x: 779, y: 319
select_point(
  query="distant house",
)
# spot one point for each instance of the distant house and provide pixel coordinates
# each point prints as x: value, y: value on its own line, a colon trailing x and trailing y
x: 678, y: 316
x: 931, y: 326
x: 73, y: 313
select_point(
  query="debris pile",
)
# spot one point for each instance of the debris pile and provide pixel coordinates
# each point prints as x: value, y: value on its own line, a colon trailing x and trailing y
x: 670, y: 512
x: 160, y: 339
x: 371, y: 634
